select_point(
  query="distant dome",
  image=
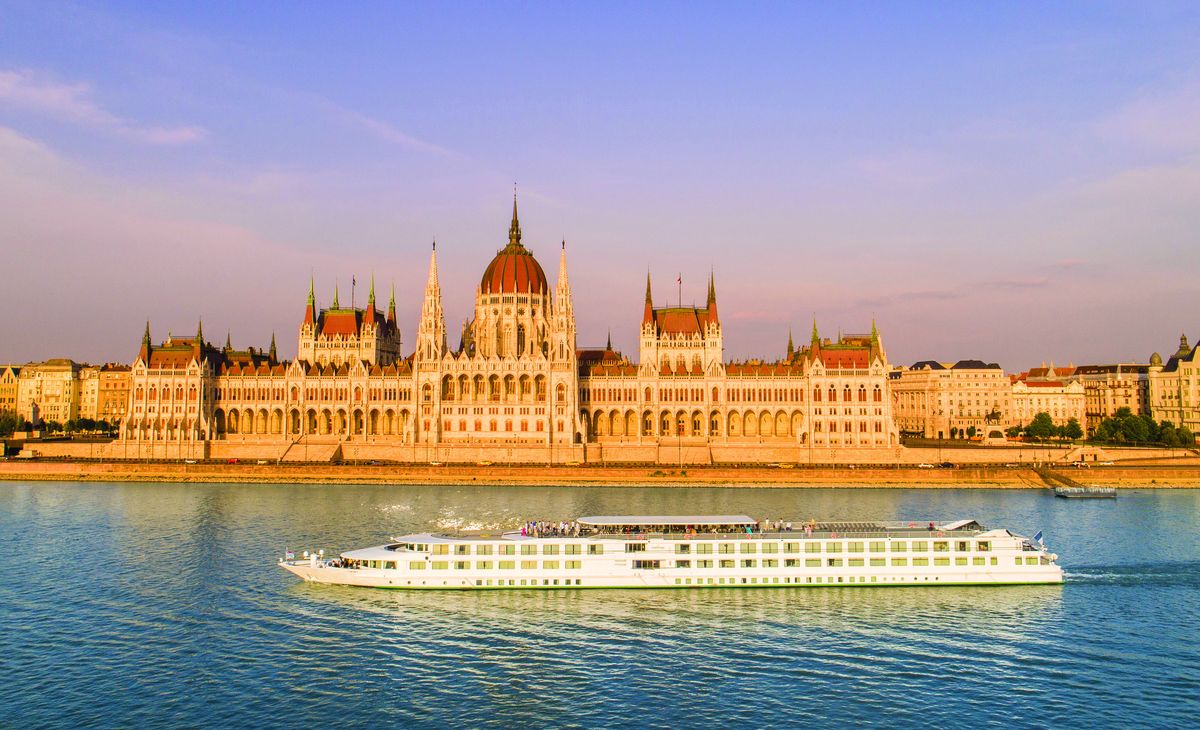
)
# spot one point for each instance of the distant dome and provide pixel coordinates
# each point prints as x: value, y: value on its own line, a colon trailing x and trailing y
x: 1156, y: 360
x: 514, y: 270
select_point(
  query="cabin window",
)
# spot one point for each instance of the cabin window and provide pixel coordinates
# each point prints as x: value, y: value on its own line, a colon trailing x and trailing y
x: 726, y: 563
x: 572, y: 549
x: 920, y: 546
x: 595, y: 549
x: 439, y: 565
x: 462, y: 549
x: 749, y: 563
x: 792, y: 563
x: 749, y: 547
x: 770, y: 563
x: 483, y: 549
x: 855, y: 562
x: 812, y: 547
x: 854, y: 547
x: 833, y: 547
x: 635, y: 547
x: 683, y: 549
x: 683, y: 563
x: 918, y: 562
x: 441, y: 549
x: 646, y: 564
x: 899, y: 562
x: 725, y: 548
x: 529, y: 549
x: 979, y: 561
x: 941, y: 546
x: 549, y: 550
x: 899, y: 546
x: 878, y: 546
x: 770, y: 547
x: 528, y: 565
x: 508, y: 549
x: 941, y: 561
x: 389, y: 565
x: 506, y: 564
x: 983, y: 546
x: 417, y: 565
x: 995, y: 560
x: 704, y: 548
x: 834, y: 562
x: 878, y: 562
x: 963, y: 546
x: 483, y: 565
x: 572, y: 565
x: 961, y: 560
x: 550, y: 565
x: 462, y: 565
x: 791, y: 547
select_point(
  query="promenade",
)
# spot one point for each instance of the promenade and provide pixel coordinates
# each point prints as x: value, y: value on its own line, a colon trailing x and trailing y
x: 990, y: 477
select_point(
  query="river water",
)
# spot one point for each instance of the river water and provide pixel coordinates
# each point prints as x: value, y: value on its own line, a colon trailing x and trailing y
x: 159, y: 604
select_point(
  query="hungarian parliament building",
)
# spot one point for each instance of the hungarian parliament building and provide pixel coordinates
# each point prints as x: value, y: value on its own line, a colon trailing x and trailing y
x: 515, y: 389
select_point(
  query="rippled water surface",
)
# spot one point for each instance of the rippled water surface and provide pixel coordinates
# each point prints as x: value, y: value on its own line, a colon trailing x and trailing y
x: 160, y: 604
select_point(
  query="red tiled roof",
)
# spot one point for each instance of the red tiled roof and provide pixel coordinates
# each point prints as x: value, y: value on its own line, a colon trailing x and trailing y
x: 845, y: 359
x: 342, y: 322
x: 681, y: 320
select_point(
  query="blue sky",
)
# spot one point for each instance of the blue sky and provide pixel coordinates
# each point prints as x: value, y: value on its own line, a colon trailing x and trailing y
x: 1013, y: 182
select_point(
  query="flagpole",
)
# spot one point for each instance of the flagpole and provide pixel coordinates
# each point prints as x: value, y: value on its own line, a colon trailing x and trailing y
x: 679, y: 281
x: 353, y: 281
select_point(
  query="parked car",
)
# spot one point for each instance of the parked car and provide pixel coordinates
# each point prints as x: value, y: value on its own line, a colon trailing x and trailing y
x: 233, y: 461
x: 924, y: 466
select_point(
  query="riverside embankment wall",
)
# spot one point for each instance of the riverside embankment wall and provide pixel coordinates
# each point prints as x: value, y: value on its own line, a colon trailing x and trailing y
x: 1164, y: 476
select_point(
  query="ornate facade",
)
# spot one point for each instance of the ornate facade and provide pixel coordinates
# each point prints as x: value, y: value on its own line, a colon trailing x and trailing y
x: 1174, y: 386
x: 515, y: 387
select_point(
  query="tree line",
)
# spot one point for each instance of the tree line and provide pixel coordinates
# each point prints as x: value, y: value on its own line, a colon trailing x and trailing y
x: 1122, y: 428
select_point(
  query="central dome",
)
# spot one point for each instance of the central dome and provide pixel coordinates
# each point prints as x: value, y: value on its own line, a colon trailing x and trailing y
x: 514, y: 270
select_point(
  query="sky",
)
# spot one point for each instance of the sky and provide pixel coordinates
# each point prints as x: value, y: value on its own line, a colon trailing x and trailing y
x: 1012, y: 182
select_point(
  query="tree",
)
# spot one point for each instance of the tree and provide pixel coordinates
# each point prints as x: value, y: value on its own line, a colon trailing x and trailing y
x: 954, y: 432
x: 971, y: 431
x: 9, y: 422
x: 1186, y: 437
x: 1073, y: 430
x: 1041, y: 427
x: 1013, y: 431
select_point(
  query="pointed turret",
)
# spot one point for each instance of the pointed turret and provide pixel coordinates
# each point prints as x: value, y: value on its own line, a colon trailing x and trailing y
x: 391, y: 312
x: 712, y: 298
x: 144, y: 351
x: 608, y: 345
x: 369, y: 314
x: 310, y: 309
x: 816, y: 336
x: 1184, y: 348
x: 271, y: 354
x: 200, y: 332
x: 335, y: 297
x: 431, y: 332
x: 648, y: 314
x: 791, y: 348
x: 228, y: 342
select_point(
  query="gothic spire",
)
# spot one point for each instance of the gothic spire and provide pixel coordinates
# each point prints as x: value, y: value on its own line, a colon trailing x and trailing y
x: 712, y: 297
x: 271, y: 353
x: 371, y: 294
x: 200, y: 332
x: 335, y: 297
x: 648, y: 314
x: 228, y: 341
x: 146, y: 335
x: 608, y: 345
x: 816, y: 337
x: 310, y: 309
x: 791, y: 348
x: 514, y: 229
x: 391, y: 313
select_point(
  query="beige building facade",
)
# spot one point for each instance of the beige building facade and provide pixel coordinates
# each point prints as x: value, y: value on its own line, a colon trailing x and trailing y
x: 965, y: 399
x: 49, y: 391
x: 1108, y: 388
x: 1062, y: 399
x: 10, y: 381
x: 515, y: 388
x: 1174, y: 387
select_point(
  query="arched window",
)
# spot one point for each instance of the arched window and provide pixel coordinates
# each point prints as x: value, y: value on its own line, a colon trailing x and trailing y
x: 520, y: 340
x: 862, y: 394
x: 846, y: 394
x: 878, y: 394
x: 716, y: 394
x: 817, y: 394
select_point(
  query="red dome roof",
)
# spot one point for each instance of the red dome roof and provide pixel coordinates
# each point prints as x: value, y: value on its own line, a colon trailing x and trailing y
x: 514, y: 270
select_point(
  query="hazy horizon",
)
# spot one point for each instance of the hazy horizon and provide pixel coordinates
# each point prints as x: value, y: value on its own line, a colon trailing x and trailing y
x: 1014, y: 183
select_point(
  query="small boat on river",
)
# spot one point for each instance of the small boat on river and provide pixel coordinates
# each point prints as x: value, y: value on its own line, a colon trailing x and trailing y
x: 691, y: 551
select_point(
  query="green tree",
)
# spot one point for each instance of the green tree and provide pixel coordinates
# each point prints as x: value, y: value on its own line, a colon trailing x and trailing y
x: 1041, y: 427
x: 9, y: 422
x: 1186, y: 437
x: 1013, y: 431
x: 971, y: 431
x: 954, y: 432
x: 1073, y: 430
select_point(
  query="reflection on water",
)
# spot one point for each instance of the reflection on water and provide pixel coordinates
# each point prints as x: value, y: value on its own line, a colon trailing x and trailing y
x: 160, y: 604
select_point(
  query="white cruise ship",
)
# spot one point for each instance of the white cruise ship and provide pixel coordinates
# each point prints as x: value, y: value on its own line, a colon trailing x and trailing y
x: 697, y: 551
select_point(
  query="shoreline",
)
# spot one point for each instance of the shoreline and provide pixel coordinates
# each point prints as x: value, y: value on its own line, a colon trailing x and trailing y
x: 899, y: 477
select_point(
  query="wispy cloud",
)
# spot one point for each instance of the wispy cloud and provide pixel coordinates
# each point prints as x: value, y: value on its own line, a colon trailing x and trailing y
x: 42, y: 93
x: 379, y: 129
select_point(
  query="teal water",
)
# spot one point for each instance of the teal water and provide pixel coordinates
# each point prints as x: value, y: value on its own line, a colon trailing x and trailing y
x: 134, y: 605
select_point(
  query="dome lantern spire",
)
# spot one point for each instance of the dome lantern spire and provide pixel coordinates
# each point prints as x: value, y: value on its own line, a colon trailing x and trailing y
x: 514, y: 229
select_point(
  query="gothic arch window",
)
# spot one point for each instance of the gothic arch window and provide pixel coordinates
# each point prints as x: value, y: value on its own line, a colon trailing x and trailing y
x: 520, y: 340
x: 817, y: 394
x: 862, y: 394
x: 648, y: 394
x: 846, y: 394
